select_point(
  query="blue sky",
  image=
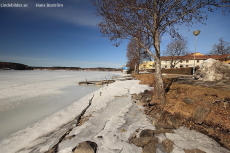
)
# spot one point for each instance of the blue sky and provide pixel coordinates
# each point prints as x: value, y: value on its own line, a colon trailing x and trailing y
x: 68, y: 36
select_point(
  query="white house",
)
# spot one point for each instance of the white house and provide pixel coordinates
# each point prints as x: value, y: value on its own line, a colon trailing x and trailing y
x: 188, y: 60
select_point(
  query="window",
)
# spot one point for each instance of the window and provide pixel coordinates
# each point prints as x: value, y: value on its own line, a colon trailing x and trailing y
x: 181, y: 61
x: 186, y: 61
x: 186, y: 65
x: 197, y: 61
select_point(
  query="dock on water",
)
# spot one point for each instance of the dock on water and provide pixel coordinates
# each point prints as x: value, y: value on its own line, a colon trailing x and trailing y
x: 105, y: 81
x: 96, y: 82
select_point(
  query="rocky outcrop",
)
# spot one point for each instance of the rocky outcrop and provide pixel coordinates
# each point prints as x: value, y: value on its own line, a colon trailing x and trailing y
x: 146, y: 140
x: 212, y: 70
x: 142, y: 98
x: 150, y: 143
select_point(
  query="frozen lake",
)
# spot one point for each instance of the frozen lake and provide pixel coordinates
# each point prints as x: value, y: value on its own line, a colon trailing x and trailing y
x: 29, y: 96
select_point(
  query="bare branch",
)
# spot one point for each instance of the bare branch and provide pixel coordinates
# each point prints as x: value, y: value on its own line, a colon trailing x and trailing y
x: 222, y: 48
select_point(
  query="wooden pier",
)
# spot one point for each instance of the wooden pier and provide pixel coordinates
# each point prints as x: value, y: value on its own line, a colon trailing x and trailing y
x: 96, y: 82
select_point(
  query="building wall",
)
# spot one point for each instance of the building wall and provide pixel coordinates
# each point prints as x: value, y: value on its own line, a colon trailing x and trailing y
x: 165, y: 64
x: 187, y: 61
x: 146, y: 65
x: 181, y: 63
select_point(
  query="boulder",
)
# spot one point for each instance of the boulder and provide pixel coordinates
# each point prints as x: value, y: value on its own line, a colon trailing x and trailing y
x: 168, y: 145
x: 140, y: 142
x: 165, y: 121
x: 150, y: 148
x: 188, y: 100
x: 212, y: 70
x: 200, y: 113
x: 147, y: 133
x: 174, y: 122
x: 86, y: 147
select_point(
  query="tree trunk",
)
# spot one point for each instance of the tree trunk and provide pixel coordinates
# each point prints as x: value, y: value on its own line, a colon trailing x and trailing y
x: 159, y: 88
x: 136, y: 69
x: 160, y: 91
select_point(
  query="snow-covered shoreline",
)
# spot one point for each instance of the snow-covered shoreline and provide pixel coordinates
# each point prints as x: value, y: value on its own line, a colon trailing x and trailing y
x: 111, y: 120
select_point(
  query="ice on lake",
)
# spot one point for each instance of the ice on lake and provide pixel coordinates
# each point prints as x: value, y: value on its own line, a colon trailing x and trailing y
x: 29, y: 96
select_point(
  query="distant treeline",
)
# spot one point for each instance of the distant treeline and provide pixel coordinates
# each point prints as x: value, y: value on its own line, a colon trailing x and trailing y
x: 14, y: 66
x: 19, y: 66
x: 77, y: 68
x: 57, y: 68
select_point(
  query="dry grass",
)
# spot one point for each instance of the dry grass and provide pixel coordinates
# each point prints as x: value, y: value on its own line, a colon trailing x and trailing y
x: 218, y: 118
x: 146, y: 79
x: 202, y: 96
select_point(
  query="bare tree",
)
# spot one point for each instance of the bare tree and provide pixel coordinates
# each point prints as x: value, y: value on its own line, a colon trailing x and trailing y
x: 176, y: 50
x: 124, y: 19
x: 135, y: 55
x: 222, y: 48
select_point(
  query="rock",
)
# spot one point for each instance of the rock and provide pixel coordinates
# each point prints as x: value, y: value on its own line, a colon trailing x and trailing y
x: 199, y: 114
x: 86, y: 147
x: 123, y: 130
x: 179, y: 116
x: 140, y: 142
x: 147, y: 96
x: 167, y: 121
x: 137, y: 130
x: 194, y: 151
x: 142, y: 103
x: 188, y: 100
x: 163, y: 117
x: 150, y: 148
x: 132, y: 137
x: 174, y: 122
x: 147, y: 133
x: 212, y: 70
x: 137, y: 96
x: 168, y: 145
x: 51, y: 151
x: 148, y: 99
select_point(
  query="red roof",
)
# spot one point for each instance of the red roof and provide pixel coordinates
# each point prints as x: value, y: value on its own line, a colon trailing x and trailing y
x: 190, y: 56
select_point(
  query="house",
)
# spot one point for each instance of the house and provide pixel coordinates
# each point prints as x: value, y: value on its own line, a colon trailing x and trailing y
x: 192, y: 59
x: 225, y: 58
x: 146, y: 65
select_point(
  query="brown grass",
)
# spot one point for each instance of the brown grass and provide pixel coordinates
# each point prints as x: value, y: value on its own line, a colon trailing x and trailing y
x: 202, y: 96
x: 219, y: 116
